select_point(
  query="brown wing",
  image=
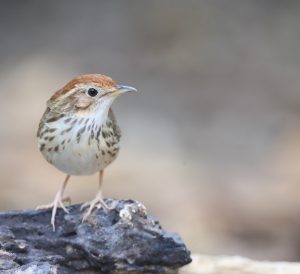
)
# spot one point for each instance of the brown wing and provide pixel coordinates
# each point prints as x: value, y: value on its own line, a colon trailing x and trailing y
x: 42, y: 122
x: 116, y: 128
x: 48, y: 116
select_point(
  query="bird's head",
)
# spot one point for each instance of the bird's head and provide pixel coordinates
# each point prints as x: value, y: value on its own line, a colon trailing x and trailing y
x: 86, y: 93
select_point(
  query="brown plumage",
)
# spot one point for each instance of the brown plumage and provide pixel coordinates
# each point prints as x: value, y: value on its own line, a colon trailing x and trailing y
x: 99, y: 80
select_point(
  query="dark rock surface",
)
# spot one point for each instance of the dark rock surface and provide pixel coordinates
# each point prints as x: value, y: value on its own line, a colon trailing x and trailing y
x: 123, y: 240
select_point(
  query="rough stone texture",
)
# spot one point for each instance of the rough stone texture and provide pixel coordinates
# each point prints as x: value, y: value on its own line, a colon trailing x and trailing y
x: 237, y: 265
x: 123, y: 240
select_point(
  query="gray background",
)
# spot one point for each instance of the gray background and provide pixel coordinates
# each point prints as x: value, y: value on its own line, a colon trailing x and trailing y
x: 210, y: 144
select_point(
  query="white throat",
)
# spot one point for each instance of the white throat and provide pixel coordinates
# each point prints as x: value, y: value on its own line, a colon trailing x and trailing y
x: 102, y: 109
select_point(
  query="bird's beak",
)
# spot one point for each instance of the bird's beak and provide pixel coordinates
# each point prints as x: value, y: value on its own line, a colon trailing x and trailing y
x: 120, y: 89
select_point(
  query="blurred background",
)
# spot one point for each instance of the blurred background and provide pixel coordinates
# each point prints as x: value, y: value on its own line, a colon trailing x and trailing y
x: 211, y: 144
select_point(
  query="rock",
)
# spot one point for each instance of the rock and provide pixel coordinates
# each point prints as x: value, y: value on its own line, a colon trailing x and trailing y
x: 203, y: 264
x: 123, y: 240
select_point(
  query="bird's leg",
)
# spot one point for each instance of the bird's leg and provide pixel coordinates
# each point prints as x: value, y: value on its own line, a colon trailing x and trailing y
x: 97, y: 202
x: 58, y: 201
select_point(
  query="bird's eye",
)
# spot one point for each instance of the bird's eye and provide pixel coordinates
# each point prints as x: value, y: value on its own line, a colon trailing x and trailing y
x: 92, y: 92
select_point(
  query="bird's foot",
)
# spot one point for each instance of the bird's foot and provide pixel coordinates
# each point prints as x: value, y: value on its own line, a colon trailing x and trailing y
x: 58, y: 202
x: 63, y: 200
x: 98, y: 202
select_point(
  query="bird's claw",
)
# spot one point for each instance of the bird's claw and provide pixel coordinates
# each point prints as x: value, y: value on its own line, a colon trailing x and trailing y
x: 54, y: 204
x: 98, y: 202
x: 63, y: 200
x: 58, y: 202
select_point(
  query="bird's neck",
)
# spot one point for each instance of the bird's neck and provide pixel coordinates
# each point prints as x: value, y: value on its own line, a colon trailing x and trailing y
x: 101, y: 112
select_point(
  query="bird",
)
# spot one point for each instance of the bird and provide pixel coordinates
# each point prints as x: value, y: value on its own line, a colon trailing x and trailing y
x: 79, y: 134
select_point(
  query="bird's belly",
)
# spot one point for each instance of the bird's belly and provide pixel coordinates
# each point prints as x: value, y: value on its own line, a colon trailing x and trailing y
x: 81, y: 158
x: 79, y: 150
x: 76, y: 161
